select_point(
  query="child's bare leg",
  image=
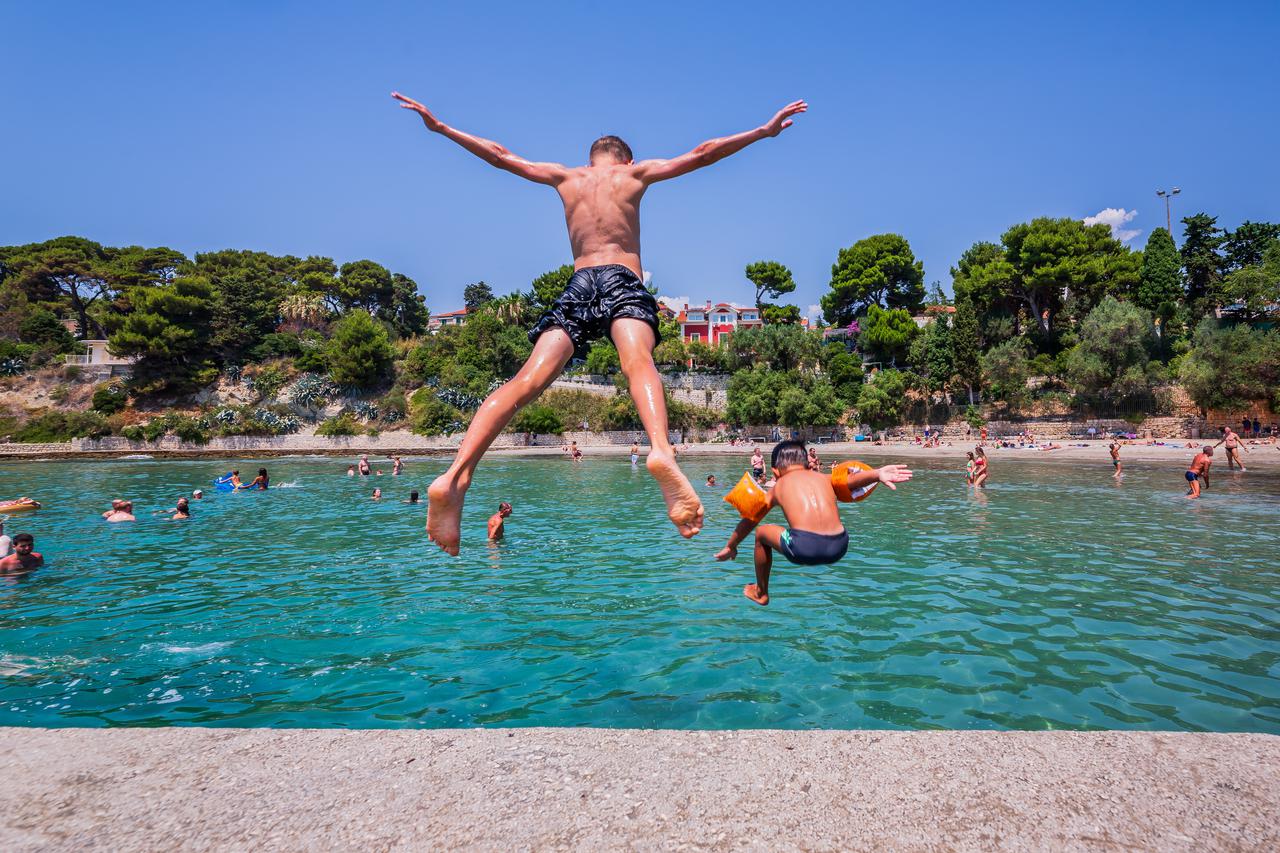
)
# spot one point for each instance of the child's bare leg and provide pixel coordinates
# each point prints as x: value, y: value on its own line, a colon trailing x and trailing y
x: 767, y: 537
x: 635, y: 341
x: 445, y: 496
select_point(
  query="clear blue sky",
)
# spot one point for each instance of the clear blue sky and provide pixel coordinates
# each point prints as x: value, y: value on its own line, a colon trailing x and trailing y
x: 269, y: 126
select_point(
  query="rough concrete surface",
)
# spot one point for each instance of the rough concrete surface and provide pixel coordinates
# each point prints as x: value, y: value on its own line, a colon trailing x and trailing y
x: 597, y: 789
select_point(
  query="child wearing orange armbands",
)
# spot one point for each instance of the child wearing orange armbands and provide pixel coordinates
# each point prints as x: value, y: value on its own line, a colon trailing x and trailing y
x: 815, y: 536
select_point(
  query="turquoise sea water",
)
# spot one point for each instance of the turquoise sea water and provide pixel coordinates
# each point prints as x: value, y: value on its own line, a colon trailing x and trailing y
x: 1057, y: 599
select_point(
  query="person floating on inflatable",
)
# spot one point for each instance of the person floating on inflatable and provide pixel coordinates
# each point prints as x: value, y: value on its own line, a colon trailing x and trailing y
x: 228, y: 482
x: 808, y: 499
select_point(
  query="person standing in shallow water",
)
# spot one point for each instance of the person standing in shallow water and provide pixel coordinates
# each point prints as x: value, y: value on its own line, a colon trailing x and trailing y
x: 498, y: 522
x: 605, y: 296
x: 1198, y: 471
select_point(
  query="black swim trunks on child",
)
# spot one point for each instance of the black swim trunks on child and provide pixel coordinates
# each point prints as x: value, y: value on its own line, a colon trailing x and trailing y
x: 594, y: 298
x: 813, y: 549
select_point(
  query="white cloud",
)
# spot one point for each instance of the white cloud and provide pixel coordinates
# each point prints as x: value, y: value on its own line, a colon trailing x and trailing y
x: 675, y: 303
x: 1116, y: 218
x: 814, y: 313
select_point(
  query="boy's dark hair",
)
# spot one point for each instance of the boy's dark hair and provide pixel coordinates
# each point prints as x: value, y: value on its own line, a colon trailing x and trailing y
x: 612, y: 146
x: 23, y: 538
x: 788, y: 453
x: 413, y: 496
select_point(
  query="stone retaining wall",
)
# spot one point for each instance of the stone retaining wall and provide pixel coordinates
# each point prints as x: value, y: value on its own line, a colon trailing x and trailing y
x: 708, y: 390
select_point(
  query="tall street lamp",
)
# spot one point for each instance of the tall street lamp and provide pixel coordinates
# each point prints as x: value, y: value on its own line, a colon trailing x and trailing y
x: 1168, y: 223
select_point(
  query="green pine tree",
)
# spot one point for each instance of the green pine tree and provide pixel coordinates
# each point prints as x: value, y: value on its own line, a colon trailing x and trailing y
x: 965, y: 347
x: 1161, y: 280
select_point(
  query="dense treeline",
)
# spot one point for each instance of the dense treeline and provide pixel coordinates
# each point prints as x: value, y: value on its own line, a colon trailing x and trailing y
x: 1055, y: 312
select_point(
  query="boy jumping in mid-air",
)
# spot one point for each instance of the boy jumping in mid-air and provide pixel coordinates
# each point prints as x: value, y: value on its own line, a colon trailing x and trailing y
x: 815, y: 537
x: 605, y: 296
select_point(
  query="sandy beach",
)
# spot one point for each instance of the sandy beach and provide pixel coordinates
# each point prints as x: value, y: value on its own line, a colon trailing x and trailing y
x: 1170, y: 453
x: 561, y: 789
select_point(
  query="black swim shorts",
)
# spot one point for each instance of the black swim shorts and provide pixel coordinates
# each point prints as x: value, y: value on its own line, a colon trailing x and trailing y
x: 813, y: 549
x: 594, y: 298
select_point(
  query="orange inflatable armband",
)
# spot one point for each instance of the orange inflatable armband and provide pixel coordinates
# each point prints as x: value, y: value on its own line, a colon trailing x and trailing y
x: 840, y: 481
x: 749, y: 499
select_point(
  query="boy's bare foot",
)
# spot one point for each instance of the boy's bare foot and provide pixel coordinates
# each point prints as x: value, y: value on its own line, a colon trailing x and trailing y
x: 444, y: 513
x: 752, y: 592
x: 727, y: 553
x: 683, y: 507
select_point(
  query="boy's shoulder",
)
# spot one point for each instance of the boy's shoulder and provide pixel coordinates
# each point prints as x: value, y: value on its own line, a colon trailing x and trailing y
x: 803, y: 479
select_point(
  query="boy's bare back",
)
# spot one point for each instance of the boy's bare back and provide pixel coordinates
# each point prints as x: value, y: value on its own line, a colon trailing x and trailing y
x: 808, y: 501
x: 602, y: 213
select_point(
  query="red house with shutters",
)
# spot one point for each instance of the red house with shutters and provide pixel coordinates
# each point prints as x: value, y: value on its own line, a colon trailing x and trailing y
x: 710, y: 324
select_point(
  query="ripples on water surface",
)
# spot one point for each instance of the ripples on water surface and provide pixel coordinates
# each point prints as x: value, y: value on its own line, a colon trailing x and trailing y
x: 1055, y: 600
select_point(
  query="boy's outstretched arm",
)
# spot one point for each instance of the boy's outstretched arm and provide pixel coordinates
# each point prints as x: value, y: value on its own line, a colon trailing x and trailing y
x: 487, y: 150
x: 713, y: 150
x: 888, y: 474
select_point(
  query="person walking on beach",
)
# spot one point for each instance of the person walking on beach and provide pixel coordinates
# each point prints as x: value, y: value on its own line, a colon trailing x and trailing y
x: 1198, y: 471
x: 605, y: 296
x: 1234, y: 445
x: 1114, y: 448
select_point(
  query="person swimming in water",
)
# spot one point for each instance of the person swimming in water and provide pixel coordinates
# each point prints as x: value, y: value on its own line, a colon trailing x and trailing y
x: 24, y: 558
x: 396, y: 466
x: 120, y: 511
x: 377, y: 494
x: 711, y: 481
x: 413, y: 498
x: 606, y: 296
x: 497, y: 522
x: 259, y: 482
x: 180, y: 511
x: 364, y: 465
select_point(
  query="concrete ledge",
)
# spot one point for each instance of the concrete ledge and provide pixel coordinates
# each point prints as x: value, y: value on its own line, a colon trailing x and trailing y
x: 553, y: 789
